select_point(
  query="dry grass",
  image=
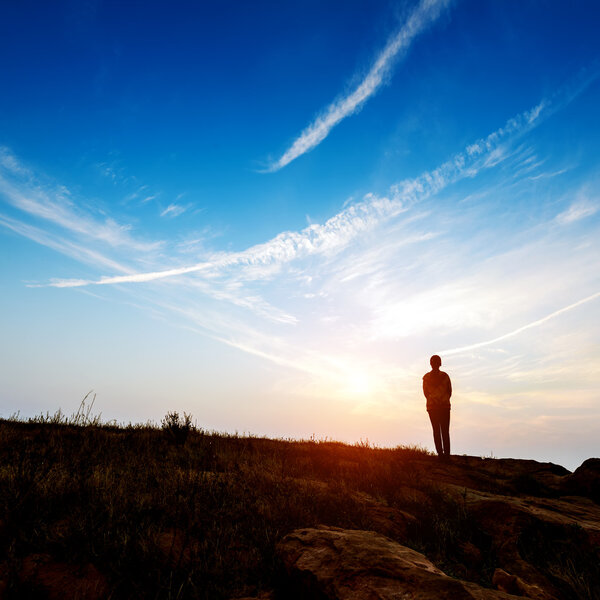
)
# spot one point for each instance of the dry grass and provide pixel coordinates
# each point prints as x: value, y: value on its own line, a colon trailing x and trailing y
x: 166, y: 514
x: 175, y: 512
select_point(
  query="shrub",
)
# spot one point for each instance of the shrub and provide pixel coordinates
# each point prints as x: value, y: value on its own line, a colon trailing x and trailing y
x: 176, y: 428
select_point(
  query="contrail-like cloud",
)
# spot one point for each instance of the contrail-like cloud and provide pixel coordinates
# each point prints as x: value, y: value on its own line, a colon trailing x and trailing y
x: 515, y: 332
x: 337, y: 232
x: 425, y: 13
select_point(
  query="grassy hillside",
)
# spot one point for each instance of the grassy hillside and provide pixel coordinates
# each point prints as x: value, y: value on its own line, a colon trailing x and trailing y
x: 175, y: 512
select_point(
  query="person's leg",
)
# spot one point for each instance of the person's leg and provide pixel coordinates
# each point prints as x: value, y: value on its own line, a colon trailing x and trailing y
x: 445, y: 429
x: 435, y: 424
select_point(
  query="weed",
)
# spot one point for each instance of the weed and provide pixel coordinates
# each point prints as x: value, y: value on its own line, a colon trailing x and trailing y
x: 176, y: 428
x: 567, y: 557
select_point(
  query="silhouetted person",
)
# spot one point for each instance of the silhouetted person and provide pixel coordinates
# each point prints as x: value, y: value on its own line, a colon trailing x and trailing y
x: 438, y: 389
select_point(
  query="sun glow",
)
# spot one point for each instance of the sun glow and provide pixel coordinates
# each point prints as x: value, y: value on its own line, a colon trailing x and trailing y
x: 359, y: 383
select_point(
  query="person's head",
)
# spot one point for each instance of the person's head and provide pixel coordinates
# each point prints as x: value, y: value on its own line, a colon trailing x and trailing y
x: 435, y: 361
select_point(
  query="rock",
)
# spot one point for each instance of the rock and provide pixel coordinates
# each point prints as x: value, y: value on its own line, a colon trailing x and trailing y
x: 61, y: 580
x: 410, y: 496
x: 505, y: 581
x: 471, y: 555
x: 342, y: 564
x: 505, y: 521
x: 515, y: 585
x: 390, y: 522
x: 498, y: 475
x: 528, y: 534
x: 386, y: 520
x: 585, y: 481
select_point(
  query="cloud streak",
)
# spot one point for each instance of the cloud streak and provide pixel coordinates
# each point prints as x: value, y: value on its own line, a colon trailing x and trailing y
x: 425, y: 13
x: 54, y: 204
x: 68, y: 248
x: 356, y: 219
x: 515, y: 332
x: 173, y: 210
x: 580, y: 209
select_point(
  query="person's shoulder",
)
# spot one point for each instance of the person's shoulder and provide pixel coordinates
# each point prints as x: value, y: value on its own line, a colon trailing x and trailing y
x: 445, y: 375
x: 427, y: 375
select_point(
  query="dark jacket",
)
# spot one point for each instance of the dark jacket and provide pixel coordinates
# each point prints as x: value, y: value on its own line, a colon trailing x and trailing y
x: 437, y: 389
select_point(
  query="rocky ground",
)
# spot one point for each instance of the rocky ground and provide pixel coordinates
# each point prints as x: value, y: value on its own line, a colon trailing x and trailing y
x: 539, y: 523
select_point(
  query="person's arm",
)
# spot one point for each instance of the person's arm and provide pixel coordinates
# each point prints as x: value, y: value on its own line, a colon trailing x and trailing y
x: 425, y: 388
x: 449, y: 387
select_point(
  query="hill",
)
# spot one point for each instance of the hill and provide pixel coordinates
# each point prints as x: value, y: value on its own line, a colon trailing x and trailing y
x: 96, y: 511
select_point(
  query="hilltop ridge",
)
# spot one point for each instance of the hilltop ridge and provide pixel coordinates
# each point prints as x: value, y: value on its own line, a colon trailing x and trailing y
x: 139, y: 511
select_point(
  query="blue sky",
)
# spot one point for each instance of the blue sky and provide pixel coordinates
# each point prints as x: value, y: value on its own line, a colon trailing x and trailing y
x: 271, y: 214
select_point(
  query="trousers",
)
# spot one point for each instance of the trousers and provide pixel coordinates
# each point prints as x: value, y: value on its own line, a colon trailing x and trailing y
x: 440, y: 422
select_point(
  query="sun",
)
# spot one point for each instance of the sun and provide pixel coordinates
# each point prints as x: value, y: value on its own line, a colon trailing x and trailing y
x: 359, y: 383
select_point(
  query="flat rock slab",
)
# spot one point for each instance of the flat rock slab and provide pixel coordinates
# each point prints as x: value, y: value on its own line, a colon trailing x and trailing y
x: 343, y: 564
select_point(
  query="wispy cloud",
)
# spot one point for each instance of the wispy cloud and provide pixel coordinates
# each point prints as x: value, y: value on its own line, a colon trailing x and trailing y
x: 423, y: 15
x: 110, y: 171
x: 11, y: 163
x: 519, y: 330
x: 80, y: 252
x: 580, y: 209
x: 315, y: 299
x: 135, y: 194
x: 356, y: 219
x: 549, y: 174
x: 21, y: 189
x: 174, y: 210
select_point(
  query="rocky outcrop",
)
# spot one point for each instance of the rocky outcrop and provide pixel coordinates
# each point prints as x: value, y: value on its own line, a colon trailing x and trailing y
x: 585, y: 481
x: 339, y: 564
x: 541, y: 546
x: 533, y: 531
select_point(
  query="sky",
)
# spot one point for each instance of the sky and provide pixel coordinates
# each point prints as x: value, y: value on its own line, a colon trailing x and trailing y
x: 271, y: 214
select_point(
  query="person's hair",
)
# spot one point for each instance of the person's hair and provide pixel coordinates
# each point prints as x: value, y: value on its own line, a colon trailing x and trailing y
x: 435, y: 361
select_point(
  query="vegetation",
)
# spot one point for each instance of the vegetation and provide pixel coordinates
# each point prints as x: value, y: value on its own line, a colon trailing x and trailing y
x: 177, y: 429
x: 176, y: 512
